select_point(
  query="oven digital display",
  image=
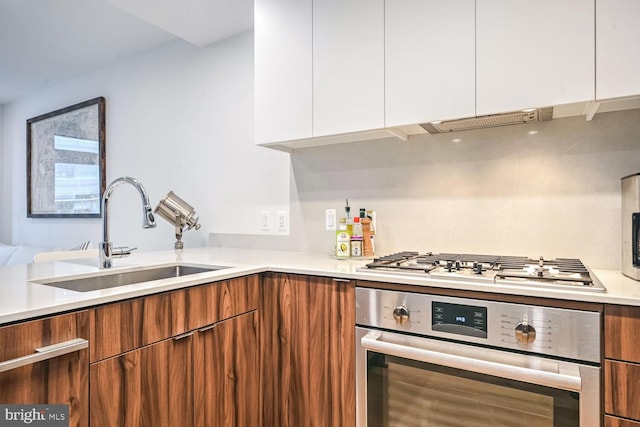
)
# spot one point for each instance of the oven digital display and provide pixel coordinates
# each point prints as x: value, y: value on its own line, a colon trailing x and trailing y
x: 459, y: 319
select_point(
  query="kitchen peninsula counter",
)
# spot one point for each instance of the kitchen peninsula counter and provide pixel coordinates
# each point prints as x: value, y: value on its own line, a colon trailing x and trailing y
x: 22, y: 299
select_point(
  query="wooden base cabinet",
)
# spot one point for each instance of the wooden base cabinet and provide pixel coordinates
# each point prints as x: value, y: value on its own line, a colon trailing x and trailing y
x: 151, y: 386
x: 610, y: 421
x: 622, y: 366
x: 182, y: 358
x: 307, y: 347
x: 206, y: 378
x: 49, y: 376
x: 227, y: 373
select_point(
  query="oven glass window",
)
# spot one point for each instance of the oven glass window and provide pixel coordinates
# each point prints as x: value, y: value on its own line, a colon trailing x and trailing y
x: 407, y: 393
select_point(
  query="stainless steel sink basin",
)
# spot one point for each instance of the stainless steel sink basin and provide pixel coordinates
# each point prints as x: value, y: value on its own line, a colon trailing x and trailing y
x: 115, y: 279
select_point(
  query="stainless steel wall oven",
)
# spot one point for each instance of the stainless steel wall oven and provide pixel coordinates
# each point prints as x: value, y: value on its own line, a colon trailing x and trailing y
x: 428, y: 360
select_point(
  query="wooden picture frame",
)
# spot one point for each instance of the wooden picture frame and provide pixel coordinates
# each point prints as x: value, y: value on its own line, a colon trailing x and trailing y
x: 66, y: 162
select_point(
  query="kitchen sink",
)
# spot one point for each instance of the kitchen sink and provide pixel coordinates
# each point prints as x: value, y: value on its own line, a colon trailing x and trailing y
x: 112, y: 280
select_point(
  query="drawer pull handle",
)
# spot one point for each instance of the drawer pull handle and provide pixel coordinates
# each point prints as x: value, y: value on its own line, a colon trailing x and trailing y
x: 207, y: 328
x: 342, y: 280
x: 45, y: 353
x: 183, y: 336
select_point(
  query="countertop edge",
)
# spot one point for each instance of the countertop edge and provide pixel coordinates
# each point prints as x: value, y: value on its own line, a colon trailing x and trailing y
x: 620, y: 289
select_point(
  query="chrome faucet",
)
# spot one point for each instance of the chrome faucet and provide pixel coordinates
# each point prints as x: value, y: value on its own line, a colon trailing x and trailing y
x: 106, y: 250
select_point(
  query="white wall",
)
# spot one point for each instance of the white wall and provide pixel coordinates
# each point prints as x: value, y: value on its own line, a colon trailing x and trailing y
x: 505, y: 191
x: 5, y: 182
x: 178, y: 118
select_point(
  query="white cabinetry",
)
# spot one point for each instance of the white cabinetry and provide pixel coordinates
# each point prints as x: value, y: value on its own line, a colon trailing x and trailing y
x: 283, y: 70
x: 429, y: 60
x: 533, y: 54
x: 617, y: 50
x: 348, y: 66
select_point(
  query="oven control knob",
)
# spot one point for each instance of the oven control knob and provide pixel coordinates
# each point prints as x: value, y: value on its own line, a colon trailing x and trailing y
x: 401, y: 314
x: 525, y: 333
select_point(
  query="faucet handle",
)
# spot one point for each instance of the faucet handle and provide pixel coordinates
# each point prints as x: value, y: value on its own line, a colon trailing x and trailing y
x: 122, y: 252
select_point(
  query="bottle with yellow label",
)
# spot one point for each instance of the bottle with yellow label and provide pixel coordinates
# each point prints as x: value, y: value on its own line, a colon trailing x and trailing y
x: 343, y: 242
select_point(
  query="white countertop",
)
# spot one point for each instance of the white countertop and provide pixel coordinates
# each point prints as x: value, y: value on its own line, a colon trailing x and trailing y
x: 22, y: 299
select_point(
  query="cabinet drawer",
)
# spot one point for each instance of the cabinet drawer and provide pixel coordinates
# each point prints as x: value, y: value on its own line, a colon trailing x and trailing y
x: 53, y: 377
x: 622, y: 333
x: 610, y: 421
x: 214, y: 302
x: 121, y: 327
x: 622, y: 389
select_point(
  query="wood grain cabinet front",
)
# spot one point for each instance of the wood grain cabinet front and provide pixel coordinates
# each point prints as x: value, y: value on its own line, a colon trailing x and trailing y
x: 621, y: 365
x: 307, y: 350
x: 125, y: 326
x: 206, y: 378
x: 46, y: 361
x: 610, y: 421
x: 150, y: 386
x: 188, y: 357
x: 226, y: 374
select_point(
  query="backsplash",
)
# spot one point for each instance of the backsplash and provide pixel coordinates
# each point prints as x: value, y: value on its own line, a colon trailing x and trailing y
x: 549, y: 189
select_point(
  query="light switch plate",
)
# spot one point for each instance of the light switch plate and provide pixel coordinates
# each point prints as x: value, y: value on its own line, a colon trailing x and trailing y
x: 265, y: 221
x: 330, y: 220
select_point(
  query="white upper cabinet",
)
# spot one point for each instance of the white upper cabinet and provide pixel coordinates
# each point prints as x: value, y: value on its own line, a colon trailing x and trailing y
x: 429, y: 60
x: 533, y: 54
x: 617, y: 49
x: 283, y: 70
x: 348, y: 66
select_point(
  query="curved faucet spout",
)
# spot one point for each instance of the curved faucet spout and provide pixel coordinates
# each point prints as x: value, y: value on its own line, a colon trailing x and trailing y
x: 148, y: 221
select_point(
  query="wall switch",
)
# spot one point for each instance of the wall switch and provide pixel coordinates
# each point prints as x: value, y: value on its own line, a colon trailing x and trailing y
x: 330, y: 220
x: 265, y: 221
x: 282, y: 221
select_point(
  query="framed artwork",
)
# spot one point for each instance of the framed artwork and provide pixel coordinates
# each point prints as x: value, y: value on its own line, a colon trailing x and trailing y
x: 66, y: 162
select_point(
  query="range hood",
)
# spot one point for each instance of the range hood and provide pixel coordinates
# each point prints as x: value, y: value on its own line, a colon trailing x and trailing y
x: 588, y: 109
x: 490, y: 121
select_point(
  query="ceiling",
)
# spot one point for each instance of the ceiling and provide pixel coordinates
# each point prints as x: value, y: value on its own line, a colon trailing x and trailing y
x: 45, y: 42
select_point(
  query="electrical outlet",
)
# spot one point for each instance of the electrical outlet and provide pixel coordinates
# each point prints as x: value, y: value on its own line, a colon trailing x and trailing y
x: 330, y: 220
x: 265, y: 221
x: 282, y: 221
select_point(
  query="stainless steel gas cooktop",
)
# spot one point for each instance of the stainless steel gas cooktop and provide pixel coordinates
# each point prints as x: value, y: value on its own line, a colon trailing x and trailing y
x: 564, y: 273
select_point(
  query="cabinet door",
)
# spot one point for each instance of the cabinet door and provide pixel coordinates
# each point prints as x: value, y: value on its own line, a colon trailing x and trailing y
x: 57, y: 380
x: 429, y: 60
x: 617, y: 51
x: 622, y: 333
x: 283, y: 70
x: 348, y: 66
x: 610, y: 421
x: 307, y: 345
x: 227, y: 373
x: 533, y: 54
x: 151, y: 386
x: 622, y: 388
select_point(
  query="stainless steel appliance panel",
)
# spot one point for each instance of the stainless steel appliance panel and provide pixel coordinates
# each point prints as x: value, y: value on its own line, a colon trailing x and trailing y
x: 432, y: 360
x: 565, y: 333
x: 511, y: 376
x: 631, y: 226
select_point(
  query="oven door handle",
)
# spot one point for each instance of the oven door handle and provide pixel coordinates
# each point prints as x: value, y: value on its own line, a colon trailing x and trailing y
x: 566, y: 381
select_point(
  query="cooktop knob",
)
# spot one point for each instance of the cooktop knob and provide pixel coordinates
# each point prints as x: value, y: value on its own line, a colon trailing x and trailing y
x: 401, y: 314
x: 525, y: 333
x: 477, y: 268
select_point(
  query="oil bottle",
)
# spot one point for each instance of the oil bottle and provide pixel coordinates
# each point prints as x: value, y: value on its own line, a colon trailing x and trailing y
x: 343, y: 241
